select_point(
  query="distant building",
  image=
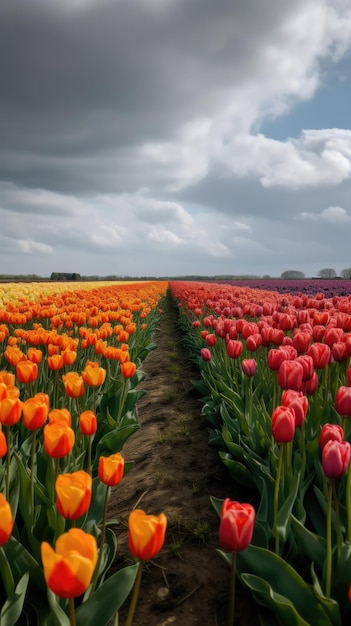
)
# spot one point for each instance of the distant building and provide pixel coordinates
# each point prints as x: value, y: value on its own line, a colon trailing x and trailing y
x: 56, y: 276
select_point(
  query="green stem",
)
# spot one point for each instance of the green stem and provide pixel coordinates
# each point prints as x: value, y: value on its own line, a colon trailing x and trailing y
x: 337, y: 519
x: 32, y: 460
x: 232, y: 591
x: 122, y: 401
x: 328, y: 563
x: 303, y: 453
x: 348, y: 503
x: 72, y: 612
x: 89, y: 455
x: 276, y: 497
x: 135, y: 595
x: 8, y: 461
x: 102, y: 541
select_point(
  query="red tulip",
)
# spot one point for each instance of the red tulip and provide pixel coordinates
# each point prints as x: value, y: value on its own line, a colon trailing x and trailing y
x: 249, y: 367
x: 301, y: 341
x: 236, y: 525
x: 307, y: 366
x: 343, y: 401
x: 298, y: 402
x: 205, y: 354
x: 320, y: 354
x: 275, y: 358
x: 290, y: 375
x: 211, y: 339
x: 283, y: 424
x: 336, y: 458
x: 330, y: 432
x: 234, y: 348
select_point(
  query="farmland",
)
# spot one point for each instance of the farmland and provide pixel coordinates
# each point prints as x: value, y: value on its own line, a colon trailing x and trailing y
x: 271, y: 375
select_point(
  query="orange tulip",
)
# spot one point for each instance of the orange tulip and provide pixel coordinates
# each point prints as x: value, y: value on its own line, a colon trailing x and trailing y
x: 69, y: 356
x: 87, y: 423
x: 58, y: 439
x: 35, y: 355
x: 3, y: 445
x: 6, y: 520
x: 74, y: 384
x: 73, y: 494
x: 55, y: 362
x: 7, y: 378
x: 35, y: 411
x: 10, y: 410
x: 14, y: 355
x: 128, y: 369
x: 26, y: 371
x: 93, y: 376
x: 146, y: 534
x: 111, y: 469
x: 60, y: 415
x: 69, y: 568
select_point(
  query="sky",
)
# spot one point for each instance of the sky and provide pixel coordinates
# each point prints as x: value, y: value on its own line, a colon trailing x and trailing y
x: 175, y: 137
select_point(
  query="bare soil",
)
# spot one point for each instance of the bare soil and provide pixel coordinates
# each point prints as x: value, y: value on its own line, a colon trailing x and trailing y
x: 176, y: 471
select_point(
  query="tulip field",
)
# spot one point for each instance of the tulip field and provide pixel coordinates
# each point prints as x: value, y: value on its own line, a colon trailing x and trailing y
x: 69, y: 369
x: 275, y: 386
x: 276, y: 394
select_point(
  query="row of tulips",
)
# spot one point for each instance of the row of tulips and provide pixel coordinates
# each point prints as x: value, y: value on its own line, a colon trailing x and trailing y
x: 276, y: 391
x: 69, y: 369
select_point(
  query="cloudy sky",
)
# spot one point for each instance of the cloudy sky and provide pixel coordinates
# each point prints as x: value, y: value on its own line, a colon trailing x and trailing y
x: 175, y: 137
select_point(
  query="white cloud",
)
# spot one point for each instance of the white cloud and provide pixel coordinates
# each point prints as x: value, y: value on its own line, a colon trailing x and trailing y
x: 27, y: 246
x: 332, y: 215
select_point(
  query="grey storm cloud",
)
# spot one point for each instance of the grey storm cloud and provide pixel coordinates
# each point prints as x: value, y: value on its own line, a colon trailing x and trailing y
x: 131, y: 136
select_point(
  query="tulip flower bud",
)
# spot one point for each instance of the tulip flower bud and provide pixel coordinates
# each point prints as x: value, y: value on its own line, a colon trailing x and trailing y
x: 283, y: 424
x: 73, y: 494
x: 6, y: 520
x: 205, y: 354
x: 75, y: 555
x: 128, y: 369
x: 87, y: 423
x: 26, y: 371
x: 93, y: 375
x: 74, y: 384
x: 3, y: 445
x: 320, y: 354
x: 297, y: 401
x: 146, y: 534
x: 234, y: 348
x: 290, y: 375
x: 343, y: 401
x: 249, y: 367
x: 35, y: 411
x: 111, y: 469
x: 59, y: 439
x: 330, y: 432
x: 336, y: 458
x: 236, y: 525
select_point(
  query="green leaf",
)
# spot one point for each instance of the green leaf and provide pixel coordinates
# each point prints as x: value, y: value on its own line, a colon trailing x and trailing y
x: 60, y: 617
x: 283, y: 517
x: 108, y: 598
x: 331, y: 606
x: 310, y: 544
x: 283, y: 580
x: 282, y: 607
x: 113, y: 441
x: 12, y: 609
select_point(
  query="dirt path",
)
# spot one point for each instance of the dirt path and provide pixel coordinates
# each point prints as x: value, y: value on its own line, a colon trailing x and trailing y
x: 176, y: 471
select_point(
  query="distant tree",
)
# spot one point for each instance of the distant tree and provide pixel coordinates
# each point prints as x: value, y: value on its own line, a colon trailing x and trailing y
x: 327, y: 272
x: 292, y: 275
x: 346, y: 273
